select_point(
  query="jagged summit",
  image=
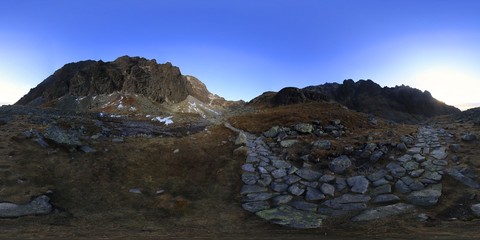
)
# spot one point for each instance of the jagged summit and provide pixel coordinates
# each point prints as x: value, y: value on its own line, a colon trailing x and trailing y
x: 400, y: 103
x: 162, y: 83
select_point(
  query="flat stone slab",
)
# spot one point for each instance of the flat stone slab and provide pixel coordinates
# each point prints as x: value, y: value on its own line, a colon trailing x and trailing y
x: 256, y: 206
x: 439, y: 153
x: 246, y: 189
x: 308, y: 174
x: 383, y: 212
x: 386, y: 198
x: 457, y: 175
x: 38, y: 206
x: 426, y: 197
x: 291, y: 217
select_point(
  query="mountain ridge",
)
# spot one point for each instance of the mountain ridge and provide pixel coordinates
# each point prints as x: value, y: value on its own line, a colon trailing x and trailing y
x: 400, y: 103
x: 162, y: 83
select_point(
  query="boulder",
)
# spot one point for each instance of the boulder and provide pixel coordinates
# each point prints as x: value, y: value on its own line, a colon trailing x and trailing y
x: 241, y: 138
x: 38, y: 206
x: 426, y: 197
x: 313, y: 194
x: 383, y: 212
x: 340, y: 164
x: 272, y: 132
x: 256, y: 206
x: 308, y: 174
x: 468, y: 137
x: 358, y: 184
x: 439, y: 153
x: 281, y: 199
x: 288, y: 143
x: 62, y: 137
x: 291, y: 217
x: 303, y: 128
x: 457, y: 175
x: 476, y: 209
x: 305, y: 206
x: 322, y: 144
x: 386, y: 199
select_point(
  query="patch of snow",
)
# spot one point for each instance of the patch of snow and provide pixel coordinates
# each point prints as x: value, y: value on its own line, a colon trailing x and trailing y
x: 165, y: 120
x: 101, y: 114
x: 132, y: 109
x: 148, y: 116
x: 116, y: 116
x: 120, y: 106
x: 93, y: 97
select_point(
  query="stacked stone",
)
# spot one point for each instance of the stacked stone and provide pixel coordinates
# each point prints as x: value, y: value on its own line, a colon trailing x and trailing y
x: 276, y: 190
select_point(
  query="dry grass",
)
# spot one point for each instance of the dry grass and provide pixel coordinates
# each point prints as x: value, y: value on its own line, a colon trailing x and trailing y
x: 201, y: 184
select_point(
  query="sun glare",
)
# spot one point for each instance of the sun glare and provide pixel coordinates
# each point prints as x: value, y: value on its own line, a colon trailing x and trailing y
x: 451, y: 85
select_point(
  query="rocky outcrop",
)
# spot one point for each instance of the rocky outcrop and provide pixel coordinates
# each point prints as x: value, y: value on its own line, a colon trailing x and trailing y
x: 159, y: 82
x: 400, y: 103
x: 38, y: 206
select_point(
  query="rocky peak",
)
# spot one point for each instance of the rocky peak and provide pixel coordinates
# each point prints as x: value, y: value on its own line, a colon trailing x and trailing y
x: 162, y: 83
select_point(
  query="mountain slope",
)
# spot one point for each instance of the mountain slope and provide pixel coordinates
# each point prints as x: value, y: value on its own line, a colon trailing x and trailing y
x: 400, y: 103
x: 162, y: 83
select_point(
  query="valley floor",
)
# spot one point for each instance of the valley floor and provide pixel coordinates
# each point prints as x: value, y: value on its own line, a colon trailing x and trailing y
x: 187, y: 185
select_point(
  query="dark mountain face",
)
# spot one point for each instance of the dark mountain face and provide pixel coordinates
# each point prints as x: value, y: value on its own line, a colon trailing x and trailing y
x: 159, y: 82
x: 400, y: 103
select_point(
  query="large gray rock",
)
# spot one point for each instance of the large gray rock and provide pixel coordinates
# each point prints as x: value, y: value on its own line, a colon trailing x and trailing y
x: 288, y: 143
x: 38, y: 206
x: 249, y: 178
x: 340, y: 164
x: 439, y: 153
x: 410, y: 165
x: 396, y: 170
x: 256, y: 206
x: 62, y: 137
x: 246, y: 189
x: 457, y: 175
x: 308, y: 174
x: 281, y: 199
x: 291, y: 217
x: 468, y: 137
x: 352, y: 198
x: 426, y: 197
x: 322, y: 144
x: 476, y: 209
x: 383, y: 189
x: 303, y: 128
x: 377, y: 155
x: 377, y: 175
x: 272, y: 132
x: 305, y: 206
x: 241, y: 138
x: 386, y: 198
x: 328, y: 189
x: 384, y: 211
x: 260, y: 196
x: 296, y: 190
x: 279, y: 173
x: 279, y: 187
x: 401, y: 187
x: 358, y: 184
x: 313, y: 194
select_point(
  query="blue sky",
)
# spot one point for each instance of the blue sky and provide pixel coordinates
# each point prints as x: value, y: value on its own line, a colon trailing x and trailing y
x: 240, y: 49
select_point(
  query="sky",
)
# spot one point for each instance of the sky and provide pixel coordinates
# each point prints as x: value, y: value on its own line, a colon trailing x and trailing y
x: 241, y: 49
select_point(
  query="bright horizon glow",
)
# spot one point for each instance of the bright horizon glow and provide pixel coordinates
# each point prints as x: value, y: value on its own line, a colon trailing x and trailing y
x: 241, y: 49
